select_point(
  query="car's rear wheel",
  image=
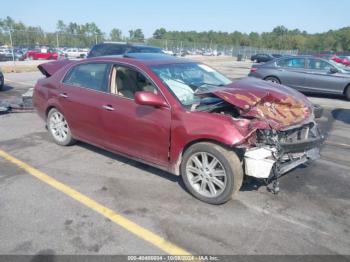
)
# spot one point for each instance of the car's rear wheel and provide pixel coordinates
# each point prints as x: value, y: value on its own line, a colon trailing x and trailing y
x: 272, y: 79
x: 59, y: 128
x: 211, y: 173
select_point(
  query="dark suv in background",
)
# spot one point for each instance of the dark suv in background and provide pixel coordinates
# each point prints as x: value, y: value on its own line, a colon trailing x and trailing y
x: 114, y: 48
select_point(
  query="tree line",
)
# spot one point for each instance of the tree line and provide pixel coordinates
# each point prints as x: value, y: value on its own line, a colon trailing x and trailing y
x: 74, y: 34
x: 279, y: 38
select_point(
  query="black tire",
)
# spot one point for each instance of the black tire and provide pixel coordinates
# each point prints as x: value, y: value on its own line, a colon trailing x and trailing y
x: 318, y: 111
x: 68, y: 139
x: 1, y: 83
x: 272, y: 79
x: 347, y: 93
x: 229, y: 162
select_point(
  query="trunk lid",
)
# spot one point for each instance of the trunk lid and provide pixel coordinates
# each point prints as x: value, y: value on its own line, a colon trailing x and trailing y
x: 48, y: 69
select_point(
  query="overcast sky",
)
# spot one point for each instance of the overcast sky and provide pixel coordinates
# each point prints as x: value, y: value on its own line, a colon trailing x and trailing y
x: 200, y: 15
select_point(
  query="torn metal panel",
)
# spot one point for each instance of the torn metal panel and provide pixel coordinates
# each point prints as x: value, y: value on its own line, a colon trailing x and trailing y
x: 277, y: 105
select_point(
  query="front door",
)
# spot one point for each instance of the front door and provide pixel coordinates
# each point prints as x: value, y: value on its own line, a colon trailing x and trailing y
x: 136, y: 130
x: 319, y: 77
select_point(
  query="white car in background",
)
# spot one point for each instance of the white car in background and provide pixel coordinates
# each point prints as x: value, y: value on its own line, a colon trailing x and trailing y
x: 75, y: 53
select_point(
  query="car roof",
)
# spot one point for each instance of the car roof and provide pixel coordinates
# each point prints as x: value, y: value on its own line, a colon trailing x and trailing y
x: 128, y: 44
x: 142, y: 58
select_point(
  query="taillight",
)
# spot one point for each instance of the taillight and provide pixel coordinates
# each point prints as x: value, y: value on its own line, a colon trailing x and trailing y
x: 253, y: 70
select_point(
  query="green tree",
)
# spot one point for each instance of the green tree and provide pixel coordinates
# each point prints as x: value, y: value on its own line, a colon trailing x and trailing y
x: 136, y: 35
x: 115, y: 34
x: 159, y: 33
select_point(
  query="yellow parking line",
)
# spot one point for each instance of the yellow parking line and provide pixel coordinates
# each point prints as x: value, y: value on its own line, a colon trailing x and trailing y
x: 127, y: 224
x: 19, y: 82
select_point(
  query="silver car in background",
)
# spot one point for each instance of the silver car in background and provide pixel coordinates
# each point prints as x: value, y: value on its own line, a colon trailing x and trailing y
x: 306, y: 74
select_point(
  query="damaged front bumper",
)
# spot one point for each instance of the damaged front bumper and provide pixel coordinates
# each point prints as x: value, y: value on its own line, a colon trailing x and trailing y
x: 277, y: 152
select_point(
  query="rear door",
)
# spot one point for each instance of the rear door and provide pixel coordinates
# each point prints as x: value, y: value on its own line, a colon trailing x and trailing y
x: 81, y: 97
x: 291, y: 72
x: 319, y: 77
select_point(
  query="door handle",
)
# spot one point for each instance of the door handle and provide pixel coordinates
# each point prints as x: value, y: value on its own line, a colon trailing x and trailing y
x: 64, y: 95
x: 108, y: 107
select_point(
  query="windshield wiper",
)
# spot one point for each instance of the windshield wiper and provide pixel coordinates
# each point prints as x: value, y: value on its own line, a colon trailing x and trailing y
x: 204, y: 84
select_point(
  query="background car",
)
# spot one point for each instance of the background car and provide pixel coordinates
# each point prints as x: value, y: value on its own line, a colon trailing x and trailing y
x: 111, y: 48
x: 261, y: 58
x: 179, y: 115
x: 345, y: 60
x: 44, y: 53
x: 1, y: 81
x: 75, y: 53
x: 306, y: 74
x: 276, y: 55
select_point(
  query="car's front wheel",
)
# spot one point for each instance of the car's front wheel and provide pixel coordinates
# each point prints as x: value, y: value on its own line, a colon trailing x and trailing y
x: 1, y: 83
x: 211, y: 173
x: 347, y: 92
x: 59, y: 128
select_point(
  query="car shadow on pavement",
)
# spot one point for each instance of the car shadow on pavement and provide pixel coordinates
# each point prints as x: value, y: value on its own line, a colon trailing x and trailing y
x: 341, y: 114
x: 334, y: 96
x: 6, y: 88
x: 131, y: 162
x: 249, y: 183
x: 254, y: 184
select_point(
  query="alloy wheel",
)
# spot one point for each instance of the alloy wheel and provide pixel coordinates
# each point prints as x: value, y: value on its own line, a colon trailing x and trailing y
x: 58, y: 126
x: 206, y: 174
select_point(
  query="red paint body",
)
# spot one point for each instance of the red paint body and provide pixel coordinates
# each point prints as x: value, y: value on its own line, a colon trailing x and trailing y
x: 37, y: 54
x: 154, y: 134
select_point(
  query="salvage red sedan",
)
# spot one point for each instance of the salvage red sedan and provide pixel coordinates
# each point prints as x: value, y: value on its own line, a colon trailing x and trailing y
x: 181, y: 116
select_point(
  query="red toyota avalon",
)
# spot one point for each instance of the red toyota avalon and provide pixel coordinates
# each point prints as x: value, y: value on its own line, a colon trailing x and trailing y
x: 181, y: 116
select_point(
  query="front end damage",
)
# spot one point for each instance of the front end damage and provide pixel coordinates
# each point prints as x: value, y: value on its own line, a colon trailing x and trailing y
x: 277, y: 125
x: 276, y: 152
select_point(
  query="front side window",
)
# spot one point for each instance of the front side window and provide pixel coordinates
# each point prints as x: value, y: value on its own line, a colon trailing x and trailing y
x: 127, y: 81
x: 317, y: 64
x: 291, y: 62
x: 92, y: 76
x: 186, y: 80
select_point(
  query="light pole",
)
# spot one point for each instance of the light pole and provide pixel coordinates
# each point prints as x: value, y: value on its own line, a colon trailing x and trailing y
x: 13, y: 55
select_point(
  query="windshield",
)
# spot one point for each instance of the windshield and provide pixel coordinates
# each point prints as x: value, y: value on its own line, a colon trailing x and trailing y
x: 187, y: 79
x: 145, y: 49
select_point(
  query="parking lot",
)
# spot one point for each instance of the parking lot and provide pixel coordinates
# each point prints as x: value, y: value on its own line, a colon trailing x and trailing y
x: 309, y: 216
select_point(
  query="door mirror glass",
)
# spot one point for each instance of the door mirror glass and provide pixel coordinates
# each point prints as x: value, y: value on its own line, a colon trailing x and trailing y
x: 149, y: 99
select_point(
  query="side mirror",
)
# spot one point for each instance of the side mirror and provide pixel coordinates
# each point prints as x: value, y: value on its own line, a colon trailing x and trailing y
x: 150, y: 99
x: 333, y: 70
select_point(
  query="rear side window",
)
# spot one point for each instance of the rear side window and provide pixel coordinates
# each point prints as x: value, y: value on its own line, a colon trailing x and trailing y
x: 92, y: 76
x: 291, y: 62
x: 107, y: 49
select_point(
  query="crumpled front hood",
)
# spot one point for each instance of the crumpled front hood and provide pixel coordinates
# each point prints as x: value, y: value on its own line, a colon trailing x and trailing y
x: 278, y: 105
